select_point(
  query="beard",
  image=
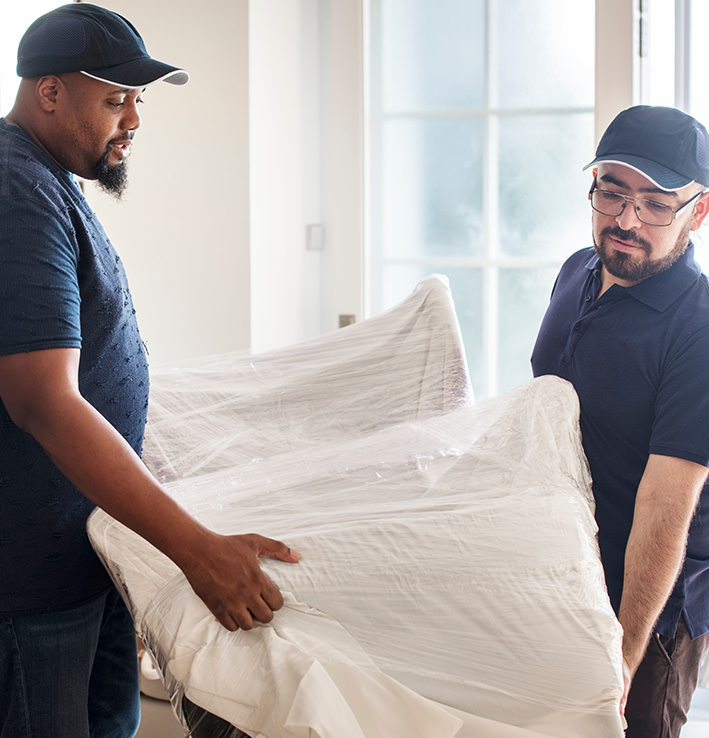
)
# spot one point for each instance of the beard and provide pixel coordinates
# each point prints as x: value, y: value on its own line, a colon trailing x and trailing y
x: 112, y: 179
x: 634, y: 267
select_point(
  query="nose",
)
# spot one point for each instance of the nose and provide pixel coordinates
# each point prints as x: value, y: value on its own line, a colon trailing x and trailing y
x: 131, y: 116
x: 628, y: 217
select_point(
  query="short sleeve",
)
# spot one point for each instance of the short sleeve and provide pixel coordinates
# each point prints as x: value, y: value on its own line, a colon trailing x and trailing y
x: 681, y: 425
x: 39, y: 291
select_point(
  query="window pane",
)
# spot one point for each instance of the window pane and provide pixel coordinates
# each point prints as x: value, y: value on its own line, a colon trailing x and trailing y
x: 523, y: 298
x: 398, y: 280
x: 543, y: 205
x: 545, y: 51
x: 416, y: 31
x: 482, y: 119
x: 433, y: 186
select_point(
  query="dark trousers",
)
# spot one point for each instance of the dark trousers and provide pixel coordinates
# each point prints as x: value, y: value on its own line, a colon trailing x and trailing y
x: 71, y: 673
x: 662, y: 689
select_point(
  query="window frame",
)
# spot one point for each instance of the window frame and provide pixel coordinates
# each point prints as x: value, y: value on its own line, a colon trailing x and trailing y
x: 490, y: 262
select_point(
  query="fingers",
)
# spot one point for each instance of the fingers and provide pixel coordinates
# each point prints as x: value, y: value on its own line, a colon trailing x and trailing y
x: 241, y: 617
x: 248, y: 604
x: 275, y: 549
x: 259, y: 610
x: 259, y: 605
x: 225, y: 618
x: 230, y: 581
x: 271, y: 595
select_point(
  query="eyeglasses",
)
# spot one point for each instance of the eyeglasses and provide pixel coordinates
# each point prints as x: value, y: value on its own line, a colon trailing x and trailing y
x: 649, y: 212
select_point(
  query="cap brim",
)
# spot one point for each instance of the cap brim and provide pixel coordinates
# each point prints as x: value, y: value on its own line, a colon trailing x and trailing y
x: 139, y: 73
x: 660, y: 176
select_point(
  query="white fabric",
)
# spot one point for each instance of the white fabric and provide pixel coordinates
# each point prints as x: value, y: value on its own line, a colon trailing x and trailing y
x: 450, y: 583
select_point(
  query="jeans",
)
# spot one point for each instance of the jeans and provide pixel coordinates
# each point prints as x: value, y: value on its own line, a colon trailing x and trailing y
x: 71, y: 673
x: 662, y: 688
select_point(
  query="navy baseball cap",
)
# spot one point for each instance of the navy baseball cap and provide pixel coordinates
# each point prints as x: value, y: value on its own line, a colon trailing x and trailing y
x: 86, y: 38
x: 665, y: 145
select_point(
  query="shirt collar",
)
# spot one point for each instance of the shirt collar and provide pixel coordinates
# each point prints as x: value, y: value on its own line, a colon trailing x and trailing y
x: 41, y: 154
x: 661, y: 290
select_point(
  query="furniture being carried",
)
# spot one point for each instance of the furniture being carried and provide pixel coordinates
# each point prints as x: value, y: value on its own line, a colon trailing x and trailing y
x: 450, y: 583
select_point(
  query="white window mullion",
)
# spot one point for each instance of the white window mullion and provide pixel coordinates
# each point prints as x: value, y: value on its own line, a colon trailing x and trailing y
x: 373, y: 164
x: 490, y: 270
x: 682, y: 54
x: 490, y: 206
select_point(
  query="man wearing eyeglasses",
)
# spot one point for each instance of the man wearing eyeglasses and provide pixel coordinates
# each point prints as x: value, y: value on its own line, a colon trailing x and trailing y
x: 628, y: 326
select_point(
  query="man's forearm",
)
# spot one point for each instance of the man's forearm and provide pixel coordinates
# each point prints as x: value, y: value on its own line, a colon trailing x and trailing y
x: 223, y: 570
x: 666, y: 499
x: 40, y: 392
x: 98, y: 461
x: 653, y: 559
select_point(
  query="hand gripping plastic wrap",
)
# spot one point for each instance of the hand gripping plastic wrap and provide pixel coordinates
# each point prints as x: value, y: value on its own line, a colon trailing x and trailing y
x: 450, y: 583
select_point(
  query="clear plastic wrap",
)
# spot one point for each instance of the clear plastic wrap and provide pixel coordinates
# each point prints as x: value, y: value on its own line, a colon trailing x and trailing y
x: 403, y: 365
x: 450, y: 583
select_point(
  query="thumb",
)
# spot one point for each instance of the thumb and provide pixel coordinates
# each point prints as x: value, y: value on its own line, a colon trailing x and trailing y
x: 275, y: 549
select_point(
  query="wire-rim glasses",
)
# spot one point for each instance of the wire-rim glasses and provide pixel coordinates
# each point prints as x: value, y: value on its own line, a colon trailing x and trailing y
x: 650, y: 212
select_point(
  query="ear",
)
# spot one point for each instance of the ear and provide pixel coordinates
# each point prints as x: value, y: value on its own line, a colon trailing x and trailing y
x: 47, y: 91
x: 701, y: 209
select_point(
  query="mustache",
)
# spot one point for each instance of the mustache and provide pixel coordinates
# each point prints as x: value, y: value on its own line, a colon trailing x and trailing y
x: 127, y: 137
x: 628, y: 236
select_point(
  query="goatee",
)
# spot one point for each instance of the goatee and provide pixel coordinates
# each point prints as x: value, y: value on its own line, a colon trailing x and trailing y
x: 112, y: 179
x: 633, y: 267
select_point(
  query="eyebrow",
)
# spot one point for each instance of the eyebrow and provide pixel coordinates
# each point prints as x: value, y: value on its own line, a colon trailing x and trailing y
x: 610, y: 179
x: 126, y: 90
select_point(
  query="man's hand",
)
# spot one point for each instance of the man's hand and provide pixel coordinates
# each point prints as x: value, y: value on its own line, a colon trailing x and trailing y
x: 226, y: 575
x: 41, y: 393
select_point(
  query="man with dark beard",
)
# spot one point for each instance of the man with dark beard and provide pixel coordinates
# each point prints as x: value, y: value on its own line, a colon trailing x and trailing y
x: 74, y: 395
x: 628, y: 325
x: 112, y: 178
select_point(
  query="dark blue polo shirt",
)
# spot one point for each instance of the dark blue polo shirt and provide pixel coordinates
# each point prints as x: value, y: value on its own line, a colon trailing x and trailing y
x: 638, y: 358
x: 62, y: 285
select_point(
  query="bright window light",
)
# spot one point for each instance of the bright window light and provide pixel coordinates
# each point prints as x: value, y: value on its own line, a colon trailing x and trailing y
x: 477, y: 135
x: 14, y: 19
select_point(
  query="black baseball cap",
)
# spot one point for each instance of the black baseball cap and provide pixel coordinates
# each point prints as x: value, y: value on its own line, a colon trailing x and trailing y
x: 86, y: 38
x: 664, y: 144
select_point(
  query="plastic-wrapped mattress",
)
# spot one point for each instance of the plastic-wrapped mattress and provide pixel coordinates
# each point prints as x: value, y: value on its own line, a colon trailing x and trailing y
x: 450, y: 583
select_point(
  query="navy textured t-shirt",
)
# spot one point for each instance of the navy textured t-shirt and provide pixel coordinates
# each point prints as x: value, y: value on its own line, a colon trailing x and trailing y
x: 62, y: 285
x: 638, y: 358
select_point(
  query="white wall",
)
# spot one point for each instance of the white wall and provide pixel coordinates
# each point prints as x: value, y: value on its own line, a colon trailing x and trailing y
x: 14, y: 19
x: 617, y: 71
x: 183, y: 227
x: 306, y: 167
x: 284, y: 174
x: 227, y: 171
x: 342, y: 152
